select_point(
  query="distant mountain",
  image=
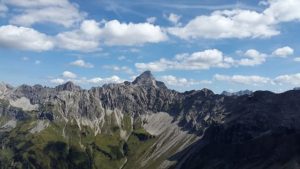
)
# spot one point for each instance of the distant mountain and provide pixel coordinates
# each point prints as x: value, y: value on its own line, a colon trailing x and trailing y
x: 144, y: 125
x: 239, y: 93
x: 297, y: 88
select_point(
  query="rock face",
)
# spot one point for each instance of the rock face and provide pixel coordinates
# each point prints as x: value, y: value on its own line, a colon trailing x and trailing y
x: 143, y: 124
x: 260, y: 131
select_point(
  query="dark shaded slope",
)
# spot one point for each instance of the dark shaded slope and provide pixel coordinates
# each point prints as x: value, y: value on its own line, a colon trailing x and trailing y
x: 261, y: 131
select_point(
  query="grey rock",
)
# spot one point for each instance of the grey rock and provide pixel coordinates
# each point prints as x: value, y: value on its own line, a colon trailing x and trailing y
x: 200, y: 122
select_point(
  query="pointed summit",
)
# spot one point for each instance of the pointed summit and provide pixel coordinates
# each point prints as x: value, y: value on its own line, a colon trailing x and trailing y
x: 69, y: 86
x: 147, y: 79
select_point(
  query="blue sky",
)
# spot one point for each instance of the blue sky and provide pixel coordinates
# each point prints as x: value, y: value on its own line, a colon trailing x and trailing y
x: 221, y: 45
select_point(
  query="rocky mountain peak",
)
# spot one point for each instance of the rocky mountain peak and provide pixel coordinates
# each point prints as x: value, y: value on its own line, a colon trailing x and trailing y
x: 69, y: 86
x: 147, y: 79
x: 144, y: 78
x: 207, y: 92
x: 4, y: 88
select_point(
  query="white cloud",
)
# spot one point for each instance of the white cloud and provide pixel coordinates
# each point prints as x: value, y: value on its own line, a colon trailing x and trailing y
x: 174, y: 18
x: 69, y: 75
x: 238, y: 23
x: 195, y: 61
x: 292, y: 79
x: 211, y: 58
x: 123, y: 34
x: 283, y: 52
x: 227, y: 24
x: 76, y: 41
x: 99, y: 80
x: 246, y: 80
x: 151, y: 20
x: 297, y: 59
x: 24, y: 39
x: 60, y: 12
x: 263, y: 3
x: 82, y: 63
x: 254, y: 58
x: 91, y: 33
x: 84, y: 39
x: 284, y: 11
x: 124, y: 69
x: 57, y: 81
x: 90, y: 27
x: 175, y: 81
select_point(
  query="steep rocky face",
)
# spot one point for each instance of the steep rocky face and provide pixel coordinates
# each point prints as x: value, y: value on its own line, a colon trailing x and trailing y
x: 122, y: 113
x: 143, y: 124
x: 69, y: 86
x: 260, y: 131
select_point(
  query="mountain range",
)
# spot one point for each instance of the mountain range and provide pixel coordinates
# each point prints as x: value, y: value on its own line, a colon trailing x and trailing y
x: 144, y: 125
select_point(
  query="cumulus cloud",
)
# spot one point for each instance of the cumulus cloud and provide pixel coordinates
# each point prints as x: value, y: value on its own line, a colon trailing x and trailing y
x: 116, y: 33
x: 238, y: 23
x: 82, y: 63
x: 289, y: 79
x: 69, y: 75
x: 86, y: 38
x: 211, y: 58
x: 99, y: 80
x: 76, y: 41
x: 112, y: 33
x: 240, y: 79
x: 297, y: 59
x: 254, y: 57
x: 283, y: 11
x: 173, y: 18
x: 90, y: 27
x: 227, y: 24
x: 195, y: 61
x: 292, y: 79
x: 124, y: 69
x: 24, y: 39
x: 60, y: 12
x: 57, y: 81
x: 283, y: 52
x: 180, y: 82
x: 151, y: 20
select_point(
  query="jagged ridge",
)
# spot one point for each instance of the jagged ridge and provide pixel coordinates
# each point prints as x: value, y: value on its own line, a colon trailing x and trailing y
x: 168, y: 128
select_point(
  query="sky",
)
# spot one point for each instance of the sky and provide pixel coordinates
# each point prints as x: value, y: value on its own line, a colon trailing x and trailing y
x: 223, y: 45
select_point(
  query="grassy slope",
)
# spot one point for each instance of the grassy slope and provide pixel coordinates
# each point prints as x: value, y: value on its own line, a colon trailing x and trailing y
x: 79, y: 149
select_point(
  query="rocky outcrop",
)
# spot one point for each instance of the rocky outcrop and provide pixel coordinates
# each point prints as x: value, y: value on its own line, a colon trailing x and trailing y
x: 182, y: 127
